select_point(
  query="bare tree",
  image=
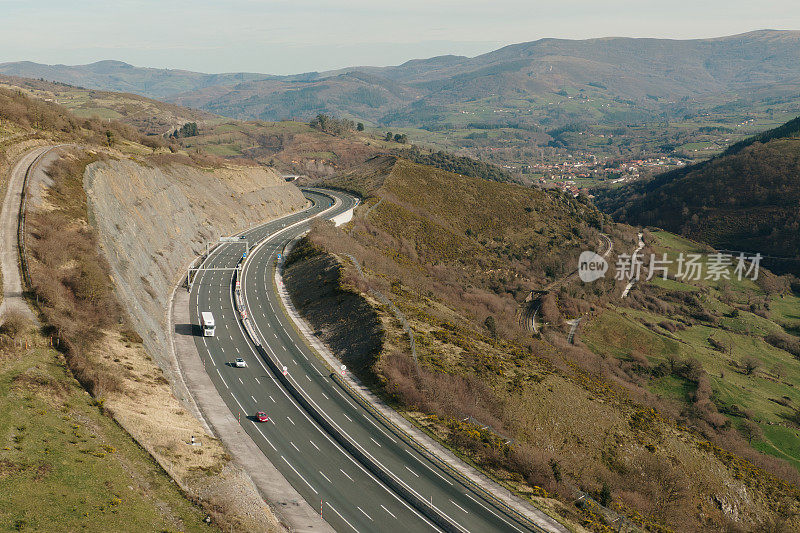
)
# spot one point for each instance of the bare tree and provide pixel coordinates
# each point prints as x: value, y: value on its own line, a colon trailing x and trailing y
x: 750, y: 364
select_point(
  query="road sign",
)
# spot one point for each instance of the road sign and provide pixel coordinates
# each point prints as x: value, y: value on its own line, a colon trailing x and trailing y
x: 344, y: 369
x: 280, y: 256
x: 229, y: 239
x: 285, y: 371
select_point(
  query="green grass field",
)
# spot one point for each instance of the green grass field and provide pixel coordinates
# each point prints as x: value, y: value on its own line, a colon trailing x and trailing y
x: 781, y: 442
x: 786, y: 312
x: 64, y: 466
x: 768, y: 395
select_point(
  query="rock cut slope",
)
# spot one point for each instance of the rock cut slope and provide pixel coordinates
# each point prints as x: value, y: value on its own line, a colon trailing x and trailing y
x: 155, y: 218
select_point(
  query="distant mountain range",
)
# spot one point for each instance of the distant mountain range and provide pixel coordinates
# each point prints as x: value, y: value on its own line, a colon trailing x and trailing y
x: 122, y: 77
x: 545, y: 82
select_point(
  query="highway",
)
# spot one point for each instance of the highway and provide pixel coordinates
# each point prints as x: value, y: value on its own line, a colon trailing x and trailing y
x: 322, y: 441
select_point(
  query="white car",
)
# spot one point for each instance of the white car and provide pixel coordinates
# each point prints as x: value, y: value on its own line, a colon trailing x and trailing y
x: 239, y: 363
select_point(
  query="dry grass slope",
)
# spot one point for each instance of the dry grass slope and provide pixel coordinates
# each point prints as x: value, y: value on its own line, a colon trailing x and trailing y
x: 449, y: 260
x: 70, y: 278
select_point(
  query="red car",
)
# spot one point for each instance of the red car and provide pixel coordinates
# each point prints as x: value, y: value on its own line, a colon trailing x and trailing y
x: 261, y: 416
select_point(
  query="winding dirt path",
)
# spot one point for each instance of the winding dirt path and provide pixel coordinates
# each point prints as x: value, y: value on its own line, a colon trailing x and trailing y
x: 13, y: 300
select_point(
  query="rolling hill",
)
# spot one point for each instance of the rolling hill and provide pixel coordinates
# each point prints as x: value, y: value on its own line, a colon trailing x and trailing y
x: 746, y: 199
x: 549, y: 81
x: 149, y: 116
x: 545, y: 81
x: 546, y: 417
x: 122, y: 77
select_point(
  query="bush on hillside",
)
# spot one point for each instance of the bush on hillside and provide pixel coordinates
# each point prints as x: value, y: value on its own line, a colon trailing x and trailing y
x: 784, y: 341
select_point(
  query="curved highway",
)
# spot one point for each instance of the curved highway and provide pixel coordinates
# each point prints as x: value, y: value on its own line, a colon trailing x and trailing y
x: 333, y: 478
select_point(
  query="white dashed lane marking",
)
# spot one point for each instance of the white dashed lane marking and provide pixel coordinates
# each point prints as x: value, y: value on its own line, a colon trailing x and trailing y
x: 454, y: 503
x: 299, y: 475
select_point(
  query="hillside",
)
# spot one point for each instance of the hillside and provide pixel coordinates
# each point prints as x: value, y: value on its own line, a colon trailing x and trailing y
x: 65, y: 464
x: 746, y: 199
x: 96, y: 413
x: 636, y: 80
x: 552, y: 420
x: 652, y: 74
x: 122, y: 77
x: 437, y: 217
x: 147, y: 115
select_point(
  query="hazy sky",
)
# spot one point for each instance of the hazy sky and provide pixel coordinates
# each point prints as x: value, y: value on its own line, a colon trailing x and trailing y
x: 291, y: 36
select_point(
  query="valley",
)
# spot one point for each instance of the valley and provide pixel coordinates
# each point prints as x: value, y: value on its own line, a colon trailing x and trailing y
x: 519, y: 107
x: 356, y: 299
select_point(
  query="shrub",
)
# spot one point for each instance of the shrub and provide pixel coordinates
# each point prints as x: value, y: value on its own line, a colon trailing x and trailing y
x: 14, y: 323
x: 604, y: 495
x: 784, y: 341
x: 69, y: 275
x: 750, y: 364
x: 719, y: 345
x: 669, y: 326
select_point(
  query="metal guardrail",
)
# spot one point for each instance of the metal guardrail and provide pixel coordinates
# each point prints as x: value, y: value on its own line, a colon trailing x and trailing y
x: 422, y: 505
x: 413, y: 443
x: 396, y: 484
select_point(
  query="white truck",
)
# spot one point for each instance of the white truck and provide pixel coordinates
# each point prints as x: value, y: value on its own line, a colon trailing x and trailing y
x: 207, y: 322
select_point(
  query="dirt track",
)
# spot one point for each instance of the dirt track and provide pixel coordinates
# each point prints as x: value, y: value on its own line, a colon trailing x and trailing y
x: 13, y: 300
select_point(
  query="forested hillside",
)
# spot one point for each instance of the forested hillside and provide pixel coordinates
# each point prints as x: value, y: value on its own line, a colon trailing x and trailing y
x: 636, y: 79
x: 747, y: 199
x: 613, y: 97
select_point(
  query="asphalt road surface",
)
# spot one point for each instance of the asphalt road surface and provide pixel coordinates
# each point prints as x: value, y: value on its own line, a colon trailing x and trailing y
x: 347, y: 494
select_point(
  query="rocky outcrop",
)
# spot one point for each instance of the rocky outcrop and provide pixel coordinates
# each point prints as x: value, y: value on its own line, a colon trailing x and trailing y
x: 154, y: 219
